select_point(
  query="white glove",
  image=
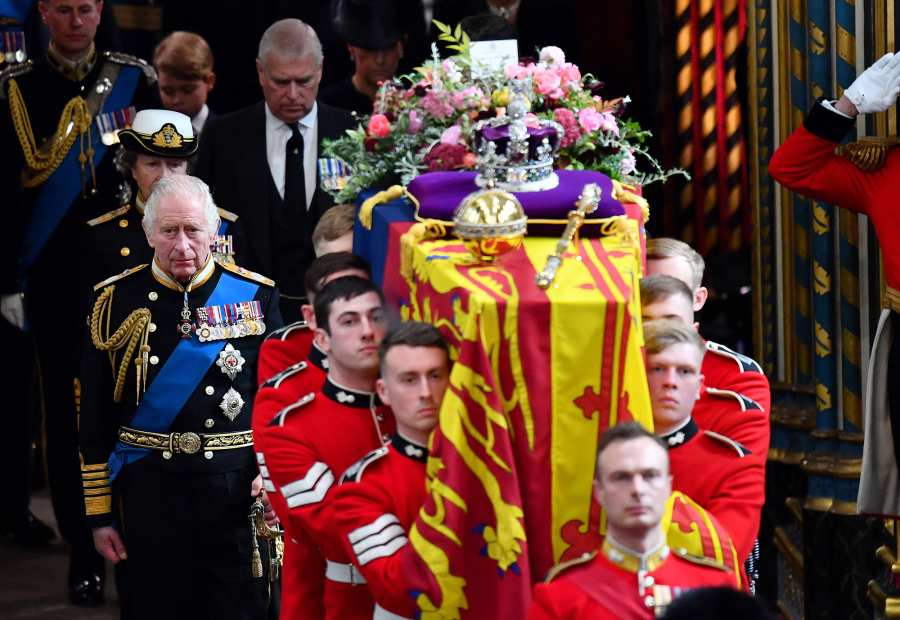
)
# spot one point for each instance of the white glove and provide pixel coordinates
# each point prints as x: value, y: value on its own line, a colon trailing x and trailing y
x: 12, y: 307
x: 876, y: 88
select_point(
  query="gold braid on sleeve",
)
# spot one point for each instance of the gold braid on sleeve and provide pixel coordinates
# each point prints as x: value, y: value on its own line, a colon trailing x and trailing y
x: 131, y: 335
x: 74, y: 122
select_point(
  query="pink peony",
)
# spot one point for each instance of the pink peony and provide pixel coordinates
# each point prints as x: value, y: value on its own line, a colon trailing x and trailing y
x: 379, y: 126
x: 566, y: 118
x: 415, y: 122
x: 451, y: 135
x: 552, y: 55
x: 589, y: 119
x: 517, y: 71
x: 570, y: 76
x: 547, y: 83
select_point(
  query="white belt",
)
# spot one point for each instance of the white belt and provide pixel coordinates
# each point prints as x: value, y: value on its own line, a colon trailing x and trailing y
x: 343, y: 573
x: 383, y: 614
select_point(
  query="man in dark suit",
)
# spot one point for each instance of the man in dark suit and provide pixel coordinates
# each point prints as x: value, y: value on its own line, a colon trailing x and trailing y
x: 261, y: 162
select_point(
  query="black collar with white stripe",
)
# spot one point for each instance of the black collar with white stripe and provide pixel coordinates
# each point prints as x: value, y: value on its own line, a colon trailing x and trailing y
x: 409, y: 449
x: 349, y: 398
x: 318, y: 358
x: 681, y: 435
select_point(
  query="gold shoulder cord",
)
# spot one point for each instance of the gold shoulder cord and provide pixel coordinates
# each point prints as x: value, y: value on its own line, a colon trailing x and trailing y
x: 74, y: 122
x: 133, y: 331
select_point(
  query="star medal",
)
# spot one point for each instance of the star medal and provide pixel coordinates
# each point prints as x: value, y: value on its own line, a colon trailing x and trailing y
x: 231, y: 404
x: 185, y: 328
x: 230, y: 361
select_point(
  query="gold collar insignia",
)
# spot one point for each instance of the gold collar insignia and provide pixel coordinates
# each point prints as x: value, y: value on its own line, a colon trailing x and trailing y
x: 633, y: 561
x: 167, y: 137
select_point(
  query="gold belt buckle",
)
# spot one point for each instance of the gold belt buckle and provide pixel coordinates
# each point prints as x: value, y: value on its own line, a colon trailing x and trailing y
x: 189, y: 443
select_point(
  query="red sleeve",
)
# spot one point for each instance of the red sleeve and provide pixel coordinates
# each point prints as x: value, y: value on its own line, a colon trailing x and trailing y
x: 544, y: 605
x: 738, y: 501
x: 750, y: 428
x: 376, y: 542
x: 274, y: 356
x: 806, y: 164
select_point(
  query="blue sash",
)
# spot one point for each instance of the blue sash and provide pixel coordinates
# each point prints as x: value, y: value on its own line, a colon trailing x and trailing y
x: 223, y: 227
x: 59, y: 191
x: 178, y: 378
x: 17, y: 10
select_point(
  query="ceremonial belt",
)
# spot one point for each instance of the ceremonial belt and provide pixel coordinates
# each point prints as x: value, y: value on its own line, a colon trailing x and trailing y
x: 184, y: 443
x: 383, y: 614
x: 61, y: 189
x: 891, y: 299
x: 343, y: 573
x: 178, y: 378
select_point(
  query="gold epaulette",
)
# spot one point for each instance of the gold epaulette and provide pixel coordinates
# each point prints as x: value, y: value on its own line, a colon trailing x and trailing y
x: 868, y: 153
x: 102, y: 219
x: 118, y: 276
x: 557, y: 570
x: 132, y: 61
x: 227, y: 215
x: 696, y: 559
x: 354, y: 473
x: 12, y: 72
x: 250, y: 275
x: 738, y: 447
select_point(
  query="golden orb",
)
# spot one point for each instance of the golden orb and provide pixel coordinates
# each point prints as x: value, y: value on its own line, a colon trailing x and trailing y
x: 490, y: 222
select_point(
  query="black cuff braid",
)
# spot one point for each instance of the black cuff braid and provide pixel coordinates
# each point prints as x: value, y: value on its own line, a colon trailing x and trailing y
x: 826, y: 124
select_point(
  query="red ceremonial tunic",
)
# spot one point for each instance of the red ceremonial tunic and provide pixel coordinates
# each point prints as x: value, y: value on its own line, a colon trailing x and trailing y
x: 282, y: 348
x: 617, y: 584
x: 714, y: 471
x: 375, y: 505
x: 737, y: 400
x: 310, y: 443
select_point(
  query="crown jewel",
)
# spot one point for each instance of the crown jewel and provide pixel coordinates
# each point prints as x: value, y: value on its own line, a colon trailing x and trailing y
x: 512, y: 155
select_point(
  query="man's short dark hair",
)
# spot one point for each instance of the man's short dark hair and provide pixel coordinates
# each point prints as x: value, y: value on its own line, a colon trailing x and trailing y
x: 345, y: 287
x: 625, y: 432
x: 412, y: 334
x: 327, y: 264
x: 660, y: 287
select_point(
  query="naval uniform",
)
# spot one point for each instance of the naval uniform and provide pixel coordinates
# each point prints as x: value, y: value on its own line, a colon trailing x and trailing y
x: 375, y: 506
x: 319, y: 437
x: 619, y: 584
x: 166, y: 445
x: 714, y: 471
x: 40, y: 253
x: 807, y: 164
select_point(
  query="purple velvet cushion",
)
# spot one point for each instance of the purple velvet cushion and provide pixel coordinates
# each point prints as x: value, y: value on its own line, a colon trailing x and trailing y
x: 439, y: 193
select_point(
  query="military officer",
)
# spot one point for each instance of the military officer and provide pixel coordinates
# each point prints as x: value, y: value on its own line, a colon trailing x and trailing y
x: 806, y: 163
x: 293, y: 343
x: 380, y: 495
x: 723, y: 407
x: 158, y: 144
x: 712, y: 469
x: 58, y: 113
x: 635, y: 575
x: 168, y: 377
x: 315, y: 439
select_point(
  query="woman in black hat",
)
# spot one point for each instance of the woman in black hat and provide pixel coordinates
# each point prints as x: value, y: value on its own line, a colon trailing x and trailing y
x: 374, y: 39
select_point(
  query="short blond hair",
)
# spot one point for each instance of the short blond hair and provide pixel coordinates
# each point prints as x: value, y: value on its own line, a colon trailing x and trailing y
x: 666, y: 247
x: 334, y: 223
x: 661, y: 334
x: 660, y: 287
x: 184, y: 56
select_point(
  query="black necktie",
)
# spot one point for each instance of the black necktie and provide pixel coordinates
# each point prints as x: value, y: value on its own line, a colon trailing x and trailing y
x: 294, y: 176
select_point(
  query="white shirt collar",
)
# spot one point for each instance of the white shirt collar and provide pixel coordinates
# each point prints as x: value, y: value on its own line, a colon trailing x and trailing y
x: 199, y: 119
x: 273, y: 123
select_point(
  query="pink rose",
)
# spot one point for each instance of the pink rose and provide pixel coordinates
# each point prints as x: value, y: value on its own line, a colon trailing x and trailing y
x: 379, y: 126
x: 589, y: 119
x: 570, y: 76
x: 547, y: 83
x: 516, y: 72
x: 451, y: 135
x: 552, y: 55
x: 415, y: 122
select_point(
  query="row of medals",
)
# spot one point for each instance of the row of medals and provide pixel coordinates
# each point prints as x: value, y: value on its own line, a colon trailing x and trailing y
x: 208, y: 333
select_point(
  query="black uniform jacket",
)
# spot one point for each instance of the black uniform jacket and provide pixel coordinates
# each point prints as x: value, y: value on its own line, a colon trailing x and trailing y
x: 101, y: 416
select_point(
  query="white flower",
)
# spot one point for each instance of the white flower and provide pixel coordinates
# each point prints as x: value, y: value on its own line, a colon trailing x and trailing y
x: 628, y: 163
x: 552, y: 55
